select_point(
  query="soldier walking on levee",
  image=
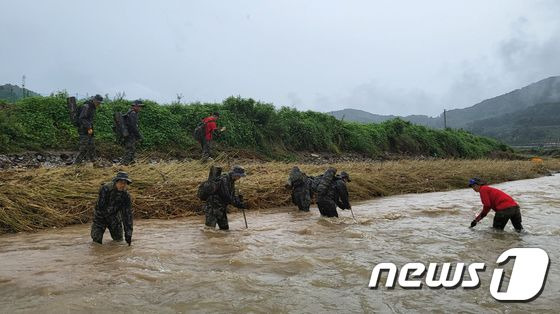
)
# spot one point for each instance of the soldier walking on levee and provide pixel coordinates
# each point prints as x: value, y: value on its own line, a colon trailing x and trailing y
x: 85, y: 129
x: 133, y: 134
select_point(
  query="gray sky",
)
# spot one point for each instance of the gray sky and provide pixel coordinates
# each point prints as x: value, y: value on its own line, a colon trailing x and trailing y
x: 386, y: 57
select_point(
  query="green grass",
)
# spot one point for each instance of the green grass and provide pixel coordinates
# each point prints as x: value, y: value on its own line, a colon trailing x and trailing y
x: 42, y: 123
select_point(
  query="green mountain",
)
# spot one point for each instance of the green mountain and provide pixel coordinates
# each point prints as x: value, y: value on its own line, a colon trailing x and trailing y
x: 492, y: 117
x: 544, y: 91
x: 12, y: 93
x: 539, y: 124
x: 362, y: 116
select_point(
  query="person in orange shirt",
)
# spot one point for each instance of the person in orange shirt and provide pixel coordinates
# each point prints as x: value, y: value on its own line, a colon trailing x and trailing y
x: 505, y: 207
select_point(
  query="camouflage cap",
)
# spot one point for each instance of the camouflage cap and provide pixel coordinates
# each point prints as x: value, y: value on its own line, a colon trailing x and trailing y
x: 238, y: 171
x: 345, y: 175
x: 121, y: 175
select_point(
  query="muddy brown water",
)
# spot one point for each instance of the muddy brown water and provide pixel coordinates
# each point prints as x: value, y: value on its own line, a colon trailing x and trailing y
x: 286, y: 262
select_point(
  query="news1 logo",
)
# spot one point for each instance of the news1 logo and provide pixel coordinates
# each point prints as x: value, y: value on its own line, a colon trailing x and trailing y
x: 526, y: 282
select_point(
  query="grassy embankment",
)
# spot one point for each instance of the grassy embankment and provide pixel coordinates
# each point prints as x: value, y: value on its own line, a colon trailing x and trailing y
x: 254, y: 128
x: 41, y: 198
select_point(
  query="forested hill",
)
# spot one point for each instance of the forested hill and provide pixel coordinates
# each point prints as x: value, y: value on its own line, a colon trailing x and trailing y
x: 496, y: 109
x: 11, y: 93
x: 539, y: 124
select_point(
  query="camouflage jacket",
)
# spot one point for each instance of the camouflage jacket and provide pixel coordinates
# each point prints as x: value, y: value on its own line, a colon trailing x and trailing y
x: 325, y: 186
x: 87, y: 115
x: 132, y: 124
x: 113, y: 204
x: 225, y: 194
x: 340, y: 194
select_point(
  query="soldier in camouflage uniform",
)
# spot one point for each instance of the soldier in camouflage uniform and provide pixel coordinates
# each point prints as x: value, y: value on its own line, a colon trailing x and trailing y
x: 216, y: 205
x: 341, y: 191
x: 85, y: 129
x: 326, y: 194
x: 113, y: 210
x: 301, y: 189
x: 134, y: 135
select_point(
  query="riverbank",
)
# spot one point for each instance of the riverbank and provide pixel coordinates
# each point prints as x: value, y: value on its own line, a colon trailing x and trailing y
x: 32, y: 199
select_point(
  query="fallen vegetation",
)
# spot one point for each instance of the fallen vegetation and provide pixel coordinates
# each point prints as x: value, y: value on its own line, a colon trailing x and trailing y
x: 32, y: 199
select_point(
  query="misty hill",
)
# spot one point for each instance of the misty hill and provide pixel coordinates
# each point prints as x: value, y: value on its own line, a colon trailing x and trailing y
x: 356, y: 115
x: 361, y: 116
x: 544, y: 91
x: 12, y: 93
x: 538, y: 124
x: 527, y: 106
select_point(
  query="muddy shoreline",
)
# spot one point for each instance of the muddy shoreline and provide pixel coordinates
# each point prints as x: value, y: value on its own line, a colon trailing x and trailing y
x: 51, y: 159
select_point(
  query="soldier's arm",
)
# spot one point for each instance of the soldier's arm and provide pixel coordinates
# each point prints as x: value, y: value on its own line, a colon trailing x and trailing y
x: 127, y: 218
x: 102, y: 200
x: 310, y: 185
x: 288, y: 184
x: 237, y: 201
x: 343, y: 195
x: 229, y: 195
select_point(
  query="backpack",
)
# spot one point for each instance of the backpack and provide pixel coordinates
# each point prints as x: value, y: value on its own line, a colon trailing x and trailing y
x: 325, y: 182
x: 297, y: 177
x: 74, y: 110
x: 315, y: 183
x: 210, y: 186
x: 200, y: 132
x: 119, y: 125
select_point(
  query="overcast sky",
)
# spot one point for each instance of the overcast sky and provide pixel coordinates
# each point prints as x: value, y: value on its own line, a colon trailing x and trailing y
x: 386, y: 57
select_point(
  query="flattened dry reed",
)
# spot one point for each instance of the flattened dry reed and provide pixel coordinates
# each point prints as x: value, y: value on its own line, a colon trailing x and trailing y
x: 40, y: 198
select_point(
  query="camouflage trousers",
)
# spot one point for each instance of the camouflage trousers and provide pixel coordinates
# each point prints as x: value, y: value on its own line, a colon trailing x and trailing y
x: 301, y: 197
x: 100, y: 223
x: 130, y: 150
x: 87, y: 148
x: 216, y: 215
x: 327, y: 208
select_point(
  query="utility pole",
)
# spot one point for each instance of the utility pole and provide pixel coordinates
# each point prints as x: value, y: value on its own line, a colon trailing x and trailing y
x: 23, y: 86
x: 444, y: 119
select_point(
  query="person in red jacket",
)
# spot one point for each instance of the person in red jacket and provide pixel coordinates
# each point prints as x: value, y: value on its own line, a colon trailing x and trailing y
x: 504, y: 206
x: 211, y: 127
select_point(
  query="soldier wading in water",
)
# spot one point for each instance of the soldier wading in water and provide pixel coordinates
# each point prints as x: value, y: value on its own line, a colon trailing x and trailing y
x: 332, y: 192
x: 113, y: 210
x: 219, y: 192
x: 300, y: 184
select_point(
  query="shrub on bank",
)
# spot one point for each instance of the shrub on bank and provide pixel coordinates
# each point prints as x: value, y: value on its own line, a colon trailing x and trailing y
x: 38, y: 123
